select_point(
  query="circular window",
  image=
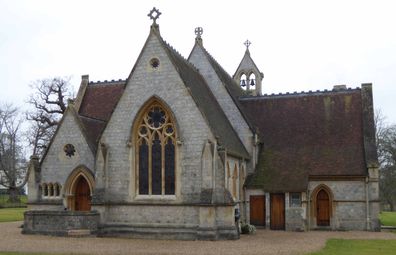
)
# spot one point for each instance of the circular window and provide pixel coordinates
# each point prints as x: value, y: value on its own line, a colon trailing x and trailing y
x: 154, y: 63
x: 69, y: 150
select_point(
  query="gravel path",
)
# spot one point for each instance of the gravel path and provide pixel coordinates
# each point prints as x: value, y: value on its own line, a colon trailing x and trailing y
x: 263, y: 242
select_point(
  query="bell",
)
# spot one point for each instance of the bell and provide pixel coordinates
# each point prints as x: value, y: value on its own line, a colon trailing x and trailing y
x: 243, y: 83
x: 252, y: 83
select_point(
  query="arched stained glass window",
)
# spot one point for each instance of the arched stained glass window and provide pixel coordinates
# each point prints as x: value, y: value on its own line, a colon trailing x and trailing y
x: 155, y: 152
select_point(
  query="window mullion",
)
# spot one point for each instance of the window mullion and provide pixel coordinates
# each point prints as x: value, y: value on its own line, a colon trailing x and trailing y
x: 150, y: 164
x: 162, y: 164
x: 137, y: 169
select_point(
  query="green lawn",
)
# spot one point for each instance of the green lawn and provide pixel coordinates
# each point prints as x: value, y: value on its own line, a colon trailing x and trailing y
x: 11, y: 214
x: 358, y: 247
x: 5, y: 204
x: 388, y: 218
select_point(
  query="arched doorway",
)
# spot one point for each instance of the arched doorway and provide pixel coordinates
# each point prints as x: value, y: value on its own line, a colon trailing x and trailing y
x: 322, y: 208
x: 82, y: 195
x: 78, y: 189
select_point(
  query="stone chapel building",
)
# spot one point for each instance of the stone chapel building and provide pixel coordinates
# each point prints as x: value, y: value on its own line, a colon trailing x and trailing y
x: 180, y: 148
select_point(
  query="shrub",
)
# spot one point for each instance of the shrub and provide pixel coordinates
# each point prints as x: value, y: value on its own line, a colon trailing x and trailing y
x: 248, y: 229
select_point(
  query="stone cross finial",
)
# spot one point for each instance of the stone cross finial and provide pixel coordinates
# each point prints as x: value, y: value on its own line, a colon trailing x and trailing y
x: 247, y: 44
x: 154, y: 15
x: 198, y: 31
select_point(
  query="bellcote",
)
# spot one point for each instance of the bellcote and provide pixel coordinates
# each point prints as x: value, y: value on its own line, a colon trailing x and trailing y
x: 247, y: 75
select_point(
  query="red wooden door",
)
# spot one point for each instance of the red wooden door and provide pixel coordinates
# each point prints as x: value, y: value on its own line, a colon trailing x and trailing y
x: 82, y: 195
x: 277, y: 211
x: 322, y: 209
x: 257, y: 210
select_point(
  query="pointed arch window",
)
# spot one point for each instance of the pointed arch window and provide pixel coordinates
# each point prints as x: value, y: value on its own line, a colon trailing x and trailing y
x: 155, y: 151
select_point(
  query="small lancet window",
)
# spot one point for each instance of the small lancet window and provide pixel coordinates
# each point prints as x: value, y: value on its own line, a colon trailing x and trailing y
x: 252, y: 81
x: 243, y: 81
x: 234, y: 181
x: 155, y: 143
x: 45, y: 190
x: 57, y: 189
x: 50, y: 190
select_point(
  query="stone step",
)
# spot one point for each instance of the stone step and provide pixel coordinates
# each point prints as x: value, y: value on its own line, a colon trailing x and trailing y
x: 78, y: 232
x: 388, y: 228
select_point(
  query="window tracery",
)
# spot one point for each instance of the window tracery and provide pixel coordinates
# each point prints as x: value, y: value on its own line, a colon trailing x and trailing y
x: 156, y: 152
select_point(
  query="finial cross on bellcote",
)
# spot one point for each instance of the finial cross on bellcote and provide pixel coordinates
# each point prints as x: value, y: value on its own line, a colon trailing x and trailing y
x: 154, y: 14
x: 198, y: 31
x: 247, y: 43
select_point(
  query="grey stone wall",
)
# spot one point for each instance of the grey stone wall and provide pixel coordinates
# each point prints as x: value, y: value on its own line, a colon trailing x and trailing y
x: 295, y: 216
x: 123, y: 211
x: 193, y: 131
x: 295, y: 219
x: 162, y: 221
x: 59, y: 222
x: 349, y: 205
x: 56, y: 166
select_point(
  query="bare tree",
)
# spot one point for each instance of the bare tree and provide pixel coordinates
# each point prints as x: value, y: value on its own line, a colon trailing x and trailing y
x: 49, y: 101
x: 386, y: 147
x: 13, y: 165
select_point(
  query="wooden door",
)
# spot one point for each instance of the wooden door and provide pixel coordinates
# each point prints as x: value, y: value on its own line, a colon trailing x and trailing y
x: 277, y: 211
x: 82, y: 195
x: 257, y: 210
x: 322, y: 209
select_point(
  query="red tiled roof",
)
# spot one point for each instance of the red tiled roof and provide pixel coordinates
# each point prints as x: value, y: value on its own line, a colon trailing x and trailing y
x: 307, y: 135
x: 100, y: 99
x: 97, y: 105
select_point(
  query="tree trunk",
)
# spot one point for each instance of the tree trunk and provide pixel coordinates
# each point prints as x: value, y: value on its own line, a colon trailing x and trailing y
x: 13, y: 195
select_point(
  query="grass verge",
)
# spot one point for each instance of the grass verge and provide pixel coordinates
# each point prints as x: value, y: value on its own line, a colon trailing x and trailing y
x: 388, y: 218
x: 5, y: 204
x: 11, y: 214
x: 358, y: 247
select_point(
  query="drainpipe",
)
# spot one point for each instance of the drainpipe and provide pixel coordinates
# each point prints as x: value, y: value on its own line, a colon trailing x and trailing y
x: 254, y: 156
x: 245, y: 204
x: 309, y: 209
x: 367, y: 204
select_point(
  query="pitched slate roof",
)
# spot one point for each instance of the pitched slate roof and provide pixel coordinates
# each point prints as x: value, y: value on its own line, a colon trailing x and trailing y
x: 308, y: 134
x: 206, y: 102
x: 93, y: 129
x: 233, y: 89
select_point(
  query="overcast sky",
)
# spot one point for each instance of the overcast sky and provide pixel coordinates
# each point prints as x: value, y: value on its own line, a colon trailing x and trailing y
x: 298, y: 45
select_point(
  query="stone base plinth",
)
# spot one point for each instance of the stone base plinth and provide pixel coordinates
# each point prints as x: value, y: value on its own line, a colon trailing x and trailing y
x: 60, y: 223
